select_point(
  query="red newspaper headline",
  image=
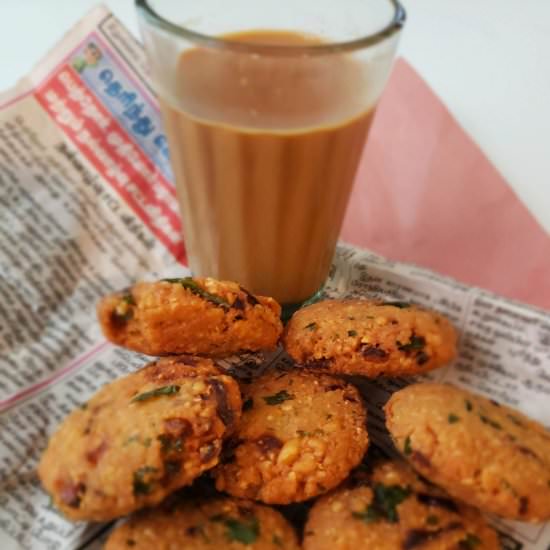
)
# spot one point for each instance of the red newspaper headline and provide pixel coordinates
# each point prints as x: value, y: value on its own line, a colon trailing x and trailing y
x: 104, y: 142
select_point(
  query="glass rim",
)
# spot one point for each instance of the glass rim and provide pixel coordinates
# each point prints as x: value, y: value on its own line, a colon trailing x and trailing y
x: 396, y: 23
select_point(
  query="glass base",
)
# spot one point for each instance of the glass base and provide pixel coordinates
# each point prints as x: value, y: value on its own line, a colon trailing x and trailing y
x: 288, y: 310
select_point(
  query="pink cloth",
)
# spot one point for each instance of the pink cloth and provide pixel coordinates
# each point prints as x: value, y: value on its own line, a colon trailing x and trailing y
x: 426, y: 194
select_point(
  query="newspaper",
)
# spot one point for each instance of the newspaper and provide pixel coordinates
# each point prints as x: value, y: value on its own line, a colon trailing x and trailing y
x: 87, y: 206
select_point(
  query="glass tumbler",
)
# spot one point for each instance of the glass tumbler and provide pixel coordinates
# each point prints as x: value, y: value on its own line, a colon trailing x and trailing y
x: 267, y: 108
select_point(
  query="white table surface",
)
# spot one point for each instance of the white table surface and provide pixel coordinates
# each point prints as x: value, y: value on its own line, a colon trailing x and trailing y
x: 489, y: 60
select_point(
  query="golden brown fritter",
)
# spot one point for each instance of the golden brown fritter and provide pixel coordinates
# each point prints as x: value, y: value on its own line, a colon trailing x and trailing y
x: 392, y: 509
x: 190, y: 315
x: 202, y: 525
x: 370, y: 338
x: 299, y: 436
x: 486, y: 454
x: 140, y: 438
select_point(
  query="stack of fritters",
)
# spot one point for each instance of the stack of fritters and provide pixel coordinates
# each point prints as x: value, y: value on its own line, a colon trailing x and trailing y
x: 289, y: 435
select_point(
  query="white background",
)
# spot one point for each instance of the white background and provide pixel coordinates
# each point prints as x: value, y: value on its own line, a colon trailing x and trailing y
x: 489, y: 60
